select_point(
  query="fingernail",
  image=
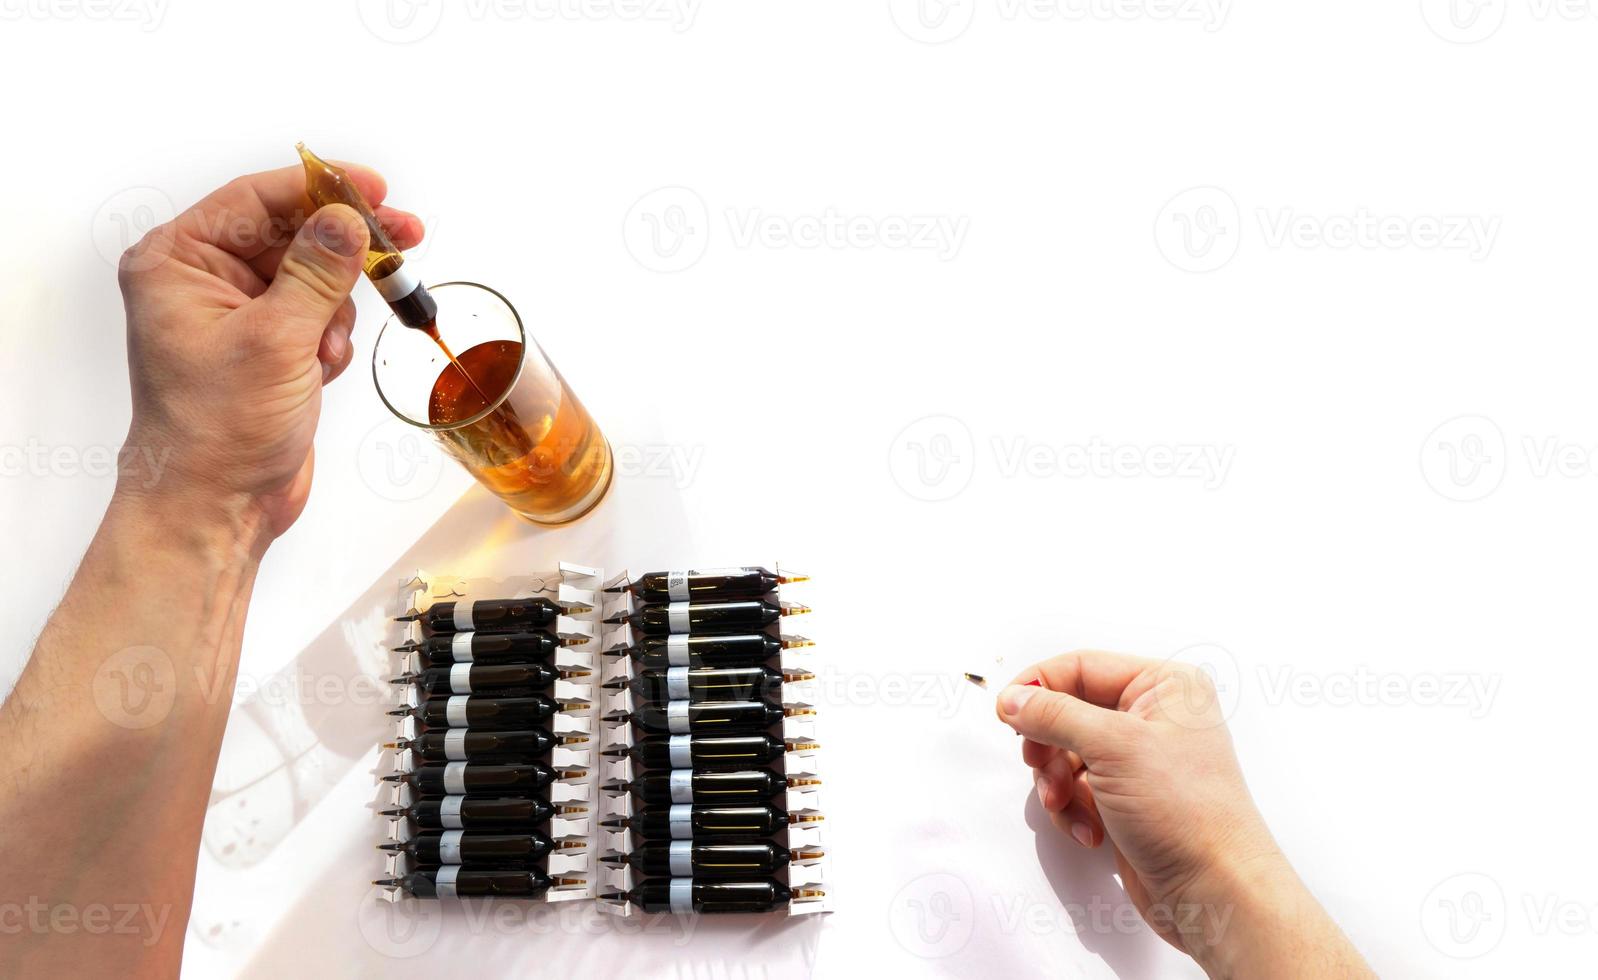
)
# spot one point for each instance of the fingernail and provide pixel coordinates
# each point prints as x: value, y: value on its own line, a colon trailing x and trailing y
x: 1042, y: 784
x: 337, y: 343
x: 335, y: 235
x: 1083, y: 834
x: 1013, y: 698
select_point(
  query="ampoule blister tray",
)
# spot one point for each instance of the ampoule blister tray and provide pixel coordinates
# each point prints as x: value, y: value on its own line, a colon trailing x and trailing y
x: 577, y: 588
x: 802, y: 728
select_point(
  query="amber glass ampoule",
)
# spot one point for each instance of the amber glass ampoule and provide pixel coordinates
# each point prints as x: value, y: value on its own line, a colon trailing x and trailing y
x: 326, y: 184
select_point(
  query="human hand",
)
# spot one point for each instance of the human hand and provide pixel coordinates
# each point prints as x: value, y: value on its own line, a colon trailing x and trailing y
x: 238, y: 312
x: 1136, y: 751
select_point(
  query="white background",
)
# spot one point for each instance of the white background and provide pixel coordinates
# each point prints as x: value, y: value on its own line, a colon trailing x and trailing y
x: 1373, y: 314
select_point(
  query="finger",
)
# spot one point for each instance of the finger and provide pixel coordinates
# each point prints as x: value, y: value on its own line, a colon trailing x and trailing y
x: 1055, y: 784
x: 1081, y: 825
x: 335, y: 351
x: 1037, y: 754
x: 1094, y: 676
x: 1060, y: 720
x: 402, y: 227
x: 316, y: 274
x: 250, y: 215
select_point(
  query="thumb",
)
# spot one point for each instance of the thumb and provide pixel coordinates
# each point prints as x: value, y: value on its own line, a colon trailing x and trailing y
x: 1059, y: 719
x: 317, y: 271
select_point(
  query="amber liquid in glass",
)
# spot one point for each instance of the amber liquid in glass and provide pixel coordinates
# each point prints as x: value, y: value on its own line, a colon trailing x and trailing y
x: 540, y: 452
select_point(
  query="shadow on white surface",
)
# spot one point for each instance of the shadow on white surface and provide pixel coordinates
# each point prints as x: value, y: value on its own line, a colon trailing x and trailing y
x: 1085, y: 882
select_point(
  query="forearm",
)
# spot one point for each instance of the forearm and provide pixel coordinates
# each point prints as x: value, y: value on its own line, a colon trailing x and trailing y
x: 1258, y: 920
x: 115, y: 725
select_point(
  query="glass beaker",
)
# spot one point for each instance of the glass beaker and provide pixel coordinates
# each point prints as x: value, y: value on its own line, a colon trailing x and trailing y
x: 510, y: 418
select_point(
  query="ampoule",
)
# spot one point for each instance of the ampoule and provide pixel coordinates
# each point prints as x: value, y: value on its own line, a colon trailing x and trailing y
x: 385, y: 266
x: 682, y: 896
x: 686, y: 717
x: 489, y: 678
x: 483, y: 779
x: 489, y: 615
x: 707, y: 859
x: 454, y: 881
x: 708, y: 617
x: 705, y: 586
x: 484, y: 813
x: 733, y: 650
x: 479, y: 847
x: 497, y: 714
x: 466, y: 744
x: 475, y: 646
x: 716, y: 787
x: 689, y: 821
x: 700, y: 751
x: 707, y: 683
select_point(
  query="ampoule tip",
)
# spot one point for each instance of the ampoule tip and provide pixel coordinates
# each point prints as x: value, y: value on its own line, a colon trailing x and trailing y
x: 789, y: 579
x: 573, y: 739
x: 794, y: 609
x: 793, y: 642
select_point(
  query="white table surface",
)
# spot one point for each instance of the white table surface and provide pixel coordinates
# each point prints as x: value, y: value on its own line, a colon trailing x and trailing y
x: 1409, y: 670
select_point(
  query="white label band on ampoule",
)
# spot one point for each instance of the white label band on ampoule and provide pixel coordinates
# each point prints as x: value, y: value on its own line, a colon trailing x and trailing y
x: 677, y: 617
x: 455, y: 711
x: 676, y: 683
x: 681, y: 782
x: 463, y: 614
x: 681, y: 820
x: 449, y: 812
x: 460, y: 679
x: 679, y: 751
x: 677, y: 717
x: 455, y: 744
x: 455, y: 778
x: 460, y: 647
x: 682, y: 896
x: 445, y: 881
x: 682, y: 858
x: 677, y: 650
x: 449, y: 847
x: 677, y: 586
x: 397, y: 284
